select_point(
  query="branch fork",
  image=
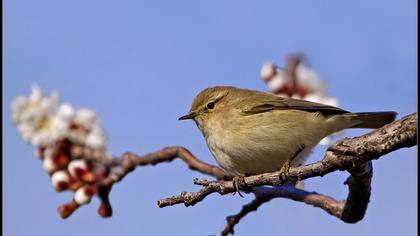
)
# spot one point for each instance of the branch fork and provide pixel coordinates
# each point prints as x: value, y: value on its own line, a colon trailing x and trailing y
x: 353, y: 155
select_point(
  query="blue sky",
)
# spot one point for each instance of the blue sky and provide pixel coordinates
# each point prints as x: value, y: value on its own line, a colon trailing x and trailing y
x: 139, y: 64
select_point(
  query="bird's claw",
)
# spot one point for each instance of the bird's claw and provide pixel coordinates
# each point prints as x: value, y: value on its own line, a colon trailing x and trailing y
x: 284, y: 172
x: 239, y: 183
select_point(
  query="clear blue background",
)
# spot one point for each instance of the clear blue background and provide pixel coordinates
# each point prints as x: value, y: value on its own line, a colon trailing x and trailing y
x: 139, y: 64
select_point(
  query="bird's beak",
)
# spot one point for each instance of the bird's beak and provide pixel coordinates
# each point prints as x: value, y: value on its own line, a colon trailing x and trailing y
x: 190, y: 115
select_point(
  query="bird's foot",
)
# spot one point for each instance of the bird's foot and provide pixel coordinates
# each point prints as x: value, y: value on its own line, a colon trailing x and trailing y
x: 240, y: 184
x: 284, y: 172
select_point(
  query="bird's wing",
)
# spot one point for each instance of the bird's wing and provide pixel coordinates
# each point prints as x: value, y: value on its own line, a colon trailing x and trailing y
x: 267, y: 102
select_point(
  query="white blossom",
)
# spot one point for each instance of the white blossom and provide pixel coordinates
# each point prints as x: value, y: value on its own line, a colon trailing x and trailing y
x: 41, y: 138
x: 48, y: 164
x: 66, y: 112
x: 77, y: 136
x: 321, y: 98
x: 268, y: 69
x: 310, y: 79
x: 41, y: 121
x: 96, y: 138
x: 36, y: 94
x: 278, y: 81
x: 48, y: 152
x: 81, y: 197
x: 18, y: 106
x: 86, y: 118
x: 285, y: 95
x: 74, y: 164
x: 32, y: 116
x: 274, y: 77
x: 59, y: 177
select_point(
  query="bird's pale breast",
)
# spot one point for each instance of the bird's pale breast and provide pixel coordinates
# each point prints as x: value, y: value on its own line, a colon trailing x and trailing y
x: 262, y: 142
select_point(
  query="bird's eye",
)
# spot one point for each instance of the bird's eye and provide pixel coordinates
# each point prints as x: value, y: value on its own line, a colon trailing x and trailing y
x: 210, y: 105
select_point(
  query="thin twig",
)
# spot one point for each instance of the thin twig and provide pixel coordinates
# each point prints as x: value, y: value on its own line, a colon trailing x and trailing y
x: 130, y: 161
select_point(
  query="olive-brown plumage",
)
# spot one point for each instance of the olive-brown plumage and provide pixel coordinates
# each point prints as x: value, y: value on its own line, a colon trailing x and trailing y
x: 252, y: 132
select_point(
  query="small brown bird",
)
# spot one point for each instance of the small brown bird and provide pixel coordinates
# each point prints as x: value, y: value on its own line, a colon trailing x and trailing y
x: 252, y: 132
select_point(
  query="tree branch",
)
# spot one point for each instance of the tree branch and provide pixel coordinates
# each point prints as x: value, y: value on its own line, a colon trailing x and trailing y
x: 350, y: 211
x: 130, y: 161
x: 120, y: 167
x: 265, y: 194
x: 353, y: 155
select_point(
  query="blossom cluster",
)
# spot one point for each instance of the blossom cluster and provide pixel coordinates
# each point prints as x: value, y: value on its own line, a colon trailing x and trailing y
x: 60, y: 132
x: 302, y: 83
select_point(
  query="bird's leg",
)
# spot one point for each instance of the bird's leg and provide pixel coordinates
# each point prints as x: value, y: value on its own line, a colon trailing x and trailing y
x: 284, y: 171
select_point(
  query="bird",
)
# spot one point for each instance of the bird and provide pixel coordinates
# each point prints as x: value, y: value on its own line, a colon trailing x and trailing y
x: 251, y: 132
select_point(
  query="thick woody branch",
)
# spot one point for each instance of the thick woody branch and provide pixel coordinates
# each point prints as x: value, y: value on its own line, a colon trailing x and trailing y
x: 350, y: 211
x: 358, y: 152
x: 359, y: 183
x: 352, y: 155
x: 265, y: 194
x: 348, y: 154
